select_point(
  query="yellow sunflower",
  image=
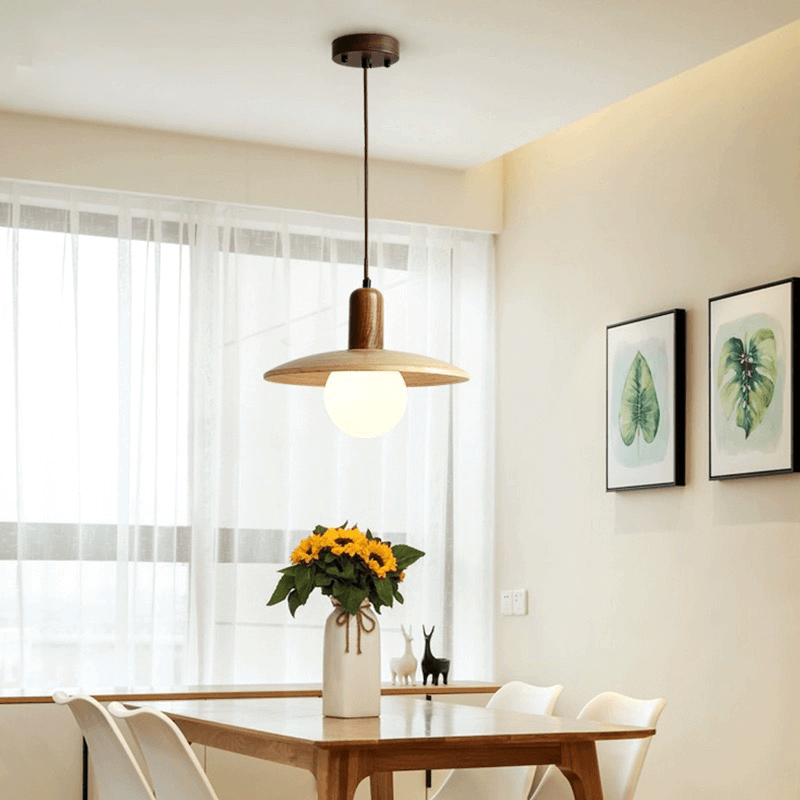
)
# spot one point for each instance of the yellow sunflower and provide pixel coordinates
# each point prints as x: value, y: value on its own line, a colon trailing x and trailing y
x: 379, y: 557
x: 308, y: 550
x: 344, y: 542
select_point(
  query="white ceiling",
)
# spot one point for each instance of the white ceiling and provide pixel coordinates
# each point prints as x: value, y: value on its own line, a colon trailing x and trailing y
x: 476, y: 78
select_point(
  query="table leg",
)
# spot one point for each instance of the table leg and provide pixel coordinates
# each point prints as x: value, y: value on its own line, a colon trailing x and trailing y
x: 337, y: 775
x: 579, y: 765
x: 381, y: 786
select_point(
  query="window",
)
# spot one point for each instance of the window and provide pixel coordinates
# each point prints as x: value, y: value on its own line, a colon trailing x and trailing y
x: 155, y: 483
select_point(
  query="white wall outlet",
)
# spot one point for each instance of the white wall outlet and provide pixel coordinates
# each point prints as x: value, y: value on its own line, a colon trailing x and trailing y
x: 520, y: 602
x: 506, y: 602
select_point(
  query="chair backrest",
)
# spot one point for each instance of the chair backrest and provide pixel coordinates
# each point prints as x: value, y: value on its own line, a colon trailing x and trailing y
x: 620, y: 761
x: 171, y: 762
x: 116, y: 771
x: 504, y: 783
x: 523, y: 697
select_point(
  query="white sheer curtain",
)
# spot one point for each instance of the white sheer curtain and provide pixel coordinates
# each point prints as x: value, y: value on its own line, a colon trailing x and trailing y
x: 153, y: 483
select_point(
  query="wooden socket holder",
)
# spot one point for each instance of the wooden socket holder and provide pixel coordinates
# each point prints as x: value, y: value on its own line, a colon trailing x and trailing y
x: 366, y: 320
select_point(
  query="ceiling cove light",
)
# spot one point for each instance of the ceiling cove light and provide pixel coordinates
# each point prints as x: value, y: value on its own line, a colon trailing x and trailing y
x: 365, y: 385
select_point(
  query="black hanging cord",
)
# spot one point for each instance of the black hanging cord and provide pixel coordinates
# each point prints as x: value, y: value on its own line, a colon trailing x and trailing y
x: 366, y: 64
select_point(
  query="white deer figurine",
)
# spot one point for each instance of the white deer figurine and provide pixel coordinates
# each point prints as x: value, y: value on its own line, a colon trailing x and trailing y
x: 404, y: 668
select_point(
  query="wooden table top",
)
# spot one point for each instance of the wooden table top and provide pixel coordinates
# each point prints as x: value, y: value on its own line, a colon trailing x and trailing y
x: 154, y: 693
x: 402, y: 719
x: 410, y: 734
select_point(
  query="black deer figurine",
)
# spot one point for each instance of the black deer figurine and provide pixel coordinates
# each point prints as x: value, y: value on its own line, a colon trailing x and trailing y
x: 431, y: 665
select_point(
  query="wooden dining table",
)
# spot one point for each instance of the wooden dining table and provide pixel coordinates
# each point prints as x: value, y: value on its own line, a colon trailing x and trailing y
x: 410, y: 734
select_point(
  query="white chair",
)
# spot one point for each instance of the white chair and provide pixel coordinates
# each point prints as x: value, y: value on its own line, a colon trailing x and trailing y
x: 502, y: 783
x: 174, y: 769
x: 116, y: 771
x: 620, y: 761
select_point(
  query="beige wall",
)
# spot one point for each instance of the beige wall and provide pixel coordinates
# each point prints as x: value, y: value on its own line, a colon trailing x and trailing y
x: 688, y: 190
x: 51, y: 150
x: 40, y: 753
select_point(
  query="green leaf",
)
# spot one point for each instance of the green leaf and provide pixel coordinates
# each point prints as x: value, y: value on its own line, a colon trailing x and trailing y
x: 320, y: 529
x: 349, y: 596
x: 285, y: 585
x: 383, y: 588
x: 639, y: 409
x: 303, y: 583
x: 398, y: 596
x: 406, y: 555
x: 294, y: 602
x: 321, y: 579
x: 746, y: 376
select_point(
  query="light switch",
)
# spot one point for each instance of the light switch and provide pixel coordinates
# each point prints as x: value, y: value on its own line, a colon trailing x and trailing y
x: 520, y: 602
x: 506, y: 603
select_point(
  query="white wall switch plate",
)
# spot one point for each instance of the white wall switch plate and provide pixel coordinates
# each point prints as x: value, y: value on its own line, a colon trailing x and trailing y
x: 506, y: 603
x: 520, y: 602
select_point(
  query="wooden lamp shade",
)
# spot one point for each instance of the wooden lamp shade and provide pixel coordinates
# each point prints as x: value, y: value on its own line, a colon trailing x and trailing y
x: 365, y: 353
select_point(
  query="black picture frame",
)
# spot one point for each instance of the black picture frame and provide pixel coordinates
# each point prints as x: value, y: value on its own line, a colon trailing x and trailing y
x: 753, y: 428
x: 646, y: 402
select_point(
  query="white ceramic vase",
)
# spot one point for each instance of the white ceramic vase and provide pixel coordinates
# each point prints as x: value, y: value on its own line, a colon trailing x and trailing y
x: 351, y: 664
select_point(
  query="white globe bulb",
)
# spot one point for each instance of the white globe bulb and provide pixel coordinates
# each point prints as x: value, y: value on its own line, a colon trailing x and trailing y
x: 365, y: 404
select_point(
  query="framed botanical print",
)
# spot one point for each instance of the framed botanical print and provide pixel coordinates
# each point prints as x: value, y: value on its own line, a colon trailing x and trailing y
x: 646, y: 402
x: 753, y: 404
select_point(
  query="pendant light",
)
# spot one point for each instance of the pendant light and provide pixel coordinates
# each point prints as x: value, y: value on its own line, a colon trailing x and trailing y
x: 365, y: 385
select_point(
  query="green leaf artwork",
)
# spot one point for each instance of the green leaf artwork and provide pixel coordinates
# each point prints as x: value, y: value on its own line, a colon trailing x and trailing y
x: 746, y: 377
x: 639, y: 410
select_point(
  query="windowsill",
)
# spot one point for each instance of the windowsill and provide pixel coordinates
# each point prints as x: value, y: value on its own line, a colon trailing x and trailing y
x: 8, y: 696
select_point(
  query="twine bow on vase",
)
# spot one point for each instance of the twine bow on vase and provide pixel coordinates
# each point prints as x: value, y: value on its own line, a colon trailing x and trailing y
x: 364, y: 623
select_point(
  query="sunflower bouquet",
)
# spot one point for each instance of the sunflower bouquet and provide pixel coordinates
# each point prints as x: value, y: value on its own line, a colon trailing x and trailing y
x: 347, y: 565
